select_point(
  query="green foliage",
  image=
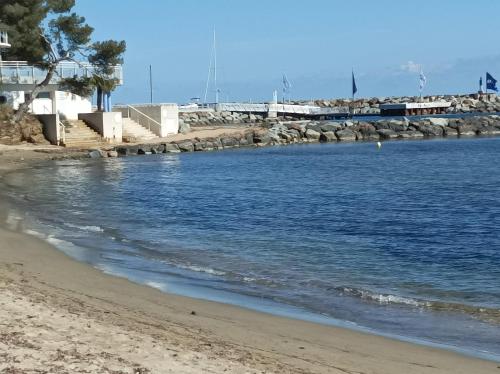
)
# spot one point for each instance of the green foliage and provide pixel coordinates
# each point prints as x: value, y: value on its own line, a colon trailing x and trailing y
x: 107, y: 54
x: 47, y: 32
x: 81, y: 86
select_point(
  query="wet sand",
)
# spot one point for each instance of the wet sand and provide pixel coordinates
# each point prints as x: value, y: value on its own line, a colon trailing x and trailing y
x: 58, y: 315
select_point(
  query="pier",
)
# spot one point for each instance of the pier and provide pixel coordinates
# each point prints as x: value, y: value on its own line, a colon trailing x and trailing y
x: 274, y: 110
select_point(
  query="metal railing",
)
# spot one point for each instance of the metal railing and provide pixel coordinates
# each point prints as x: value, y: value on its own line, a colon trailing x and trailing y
x: 62, y: 133
x: 144, y: 120
x: 20, y: 72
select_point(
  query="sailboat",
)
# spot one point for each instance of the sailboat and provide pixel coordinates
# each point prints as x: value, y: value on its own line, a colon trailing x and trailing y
x: 212, y: 73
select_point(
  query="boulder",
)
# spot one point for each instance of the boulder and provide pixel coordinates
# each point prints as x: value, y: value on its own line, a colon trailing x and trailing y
x: 438, y: 121
x: 172, y: 148
x: 229, y: 142
x: 297, y: 127
x: 429, y: 130
x: 398, y: 125
x: 144, y: 149
x: 112, y: 154
x: 328, y: 136
x: 387, y: 134
x: 450, y: 131
x: 410, y: 134
x: 186, y: 146
x: 312, y: 134
x: 345, y: 135
x: 466, y: 130
x: 95, y: 154
x: 330, y: 126
x: 184, y: 128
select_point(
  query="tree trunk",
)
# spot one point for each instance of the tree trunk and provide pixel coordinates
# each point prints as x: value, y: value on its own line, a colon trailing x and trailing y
x: 24, y: 107
x: 99, y: 99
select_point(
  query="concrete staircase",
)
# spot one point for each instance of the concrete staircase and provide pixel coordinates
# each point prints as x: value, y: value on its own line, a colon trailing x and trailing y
x: 79, y: 135
x: 133, y: 130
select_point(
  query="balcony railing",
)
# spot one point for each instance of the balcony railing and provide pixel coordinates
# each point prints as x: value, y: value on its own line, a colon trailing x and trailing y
x: 19, y: 72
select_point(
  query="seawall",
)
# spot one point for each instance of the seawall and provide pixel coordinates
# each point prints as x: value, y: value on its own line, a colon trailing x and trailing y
x: 314, y: 132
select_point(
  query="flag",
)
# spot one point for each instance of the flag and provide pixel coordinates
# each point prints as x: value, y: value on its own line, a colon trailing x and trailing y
x: 286, y: 84
x: 491, y: 83
x: 354, y: 87
x: 423, y: 80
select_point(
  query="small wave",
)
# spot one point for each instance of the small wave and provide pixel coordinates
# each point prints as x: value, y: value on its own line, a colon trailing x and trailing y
x: 201, y: 269
x: 485, y: 314
x: 36, y: 234
x: 158, y: 286
x: 384, y: 299
x: 85, y: 228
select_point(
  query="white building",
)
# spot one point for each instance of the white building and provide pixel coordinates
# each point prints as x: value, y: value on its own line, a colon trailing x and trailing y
x: 19, y: 78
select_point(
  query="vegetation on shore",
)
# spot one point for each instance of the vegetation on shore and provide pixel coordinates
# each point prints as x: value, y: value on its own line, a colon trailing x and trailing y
x: 28, y: 129
x: 47, y: 32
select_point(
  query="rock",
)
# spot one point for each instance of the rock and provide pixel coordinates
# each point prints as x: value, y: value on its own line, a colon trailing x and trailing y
x: 387, y: 134
x: 229, y: 142
x: 366, y: 131
x: 450, y: 131
x: 200, y: 146
x: 429, y: 130
x: 297, y: 127
x: 328, y: 136
x: 330, y: 126
x: 95, y: 154
x: 438, y: 121
x: 410, y: 134
x: 172, y: 148
x: 466, y: 130
x: 186, y: 146
x: 144, y: 149
x: 184, y: 128
x: 345, y: 135
x: 262, y: 139
x: 112, y: 154
x: 312, y: 134
x: 398, y: 126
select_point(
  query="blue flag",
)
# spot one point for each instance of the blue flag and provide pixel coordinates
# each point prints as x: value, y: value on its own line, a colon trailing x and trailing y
x: 491, y: 83
x: 354, y: 87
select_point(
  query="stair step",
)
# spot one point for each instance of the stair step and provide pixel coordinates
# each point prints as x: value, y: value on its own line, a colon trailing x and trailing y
x: 78, y: 134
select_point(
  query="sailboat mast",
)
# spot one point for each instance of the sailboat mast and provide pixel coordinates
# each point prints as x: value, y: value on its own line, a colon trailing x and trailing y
x: 215, y: 70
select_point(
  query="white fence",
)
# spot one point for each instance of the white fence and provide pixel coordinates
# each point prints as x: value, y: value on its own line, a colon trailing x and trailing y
x: 20, y: 72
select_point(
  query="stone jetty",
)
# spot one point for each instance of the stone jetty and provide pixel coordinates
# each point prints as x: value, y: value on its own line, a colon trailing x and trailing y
x: 282, y: 133
x: 459, y: 103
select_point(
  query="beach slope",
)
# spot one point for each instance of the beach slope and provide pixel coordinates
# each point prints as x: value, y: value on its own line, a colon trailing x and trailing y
x: 58, y: 315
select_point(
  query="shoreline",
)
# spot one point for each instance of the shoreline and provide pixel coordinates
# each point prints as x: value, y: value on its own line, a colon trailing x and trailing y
x: 311, y: 350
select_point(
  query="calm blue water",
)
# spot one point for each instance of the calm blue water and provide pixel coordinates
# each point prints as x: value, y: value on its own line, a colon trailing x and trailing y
x: 404, y: 240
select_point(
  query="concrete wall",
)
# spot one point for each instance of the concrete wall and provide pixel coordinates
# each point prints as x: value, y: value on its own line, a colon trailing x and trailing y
x: 108, y: 125
x: 51, y: 129
x: 167, y: 115
x: 169, y: 119
x: 68, y: 105
x: 65, y: 104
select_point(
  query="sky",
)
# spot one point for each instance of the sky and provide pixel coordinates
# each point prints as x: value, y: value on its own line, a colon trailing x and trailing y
x: 316, y: 43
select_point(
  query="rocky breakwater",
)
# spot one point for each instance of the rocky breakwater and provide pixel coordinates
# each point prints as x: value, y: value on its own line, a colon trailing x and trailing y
x: 213, y: 118
x: 459, y: 103
x: 382, y: 130
x: 315, y: 132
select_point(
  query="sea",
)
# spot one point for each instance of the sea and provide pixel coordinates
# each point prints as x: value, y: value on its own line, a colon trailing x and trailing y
x: 401, y: 241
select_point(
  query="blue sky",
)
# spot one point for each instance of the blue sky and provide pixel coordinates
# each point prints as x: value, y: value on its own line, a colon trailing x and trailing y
x: 316, y: 43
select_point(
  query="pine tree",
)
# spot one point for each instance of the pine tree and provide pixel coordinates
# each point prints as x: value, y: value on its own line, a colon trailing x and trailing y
x: 46, y: 33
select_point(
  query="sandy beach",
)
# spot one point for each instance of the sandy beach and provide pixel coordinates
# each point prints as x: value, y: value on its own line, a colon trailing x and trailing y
x: 61, y: 316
